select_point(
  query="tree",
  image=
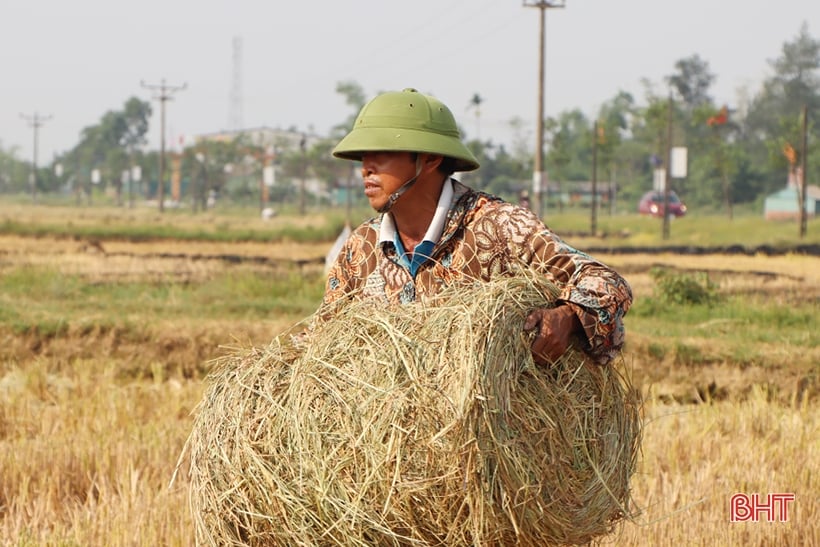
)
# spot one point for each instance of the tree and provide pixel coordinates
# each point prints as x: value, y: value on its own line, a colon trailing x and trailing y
x: 649, y: 130
x: 615, y: 119
x: 354, y: 97
x: 724, y: 154
x: 13, y: 170
x: 333, y: 172
x: 796, y: 71
x: 500, y: 173
x: 206, y: 162
x: 134, y: 123
x: 136, y: 114
x: 520, y: 146
x: 692, y: 81
x: 475, y: 106
x: 110, y: 144
x: 774, y: 112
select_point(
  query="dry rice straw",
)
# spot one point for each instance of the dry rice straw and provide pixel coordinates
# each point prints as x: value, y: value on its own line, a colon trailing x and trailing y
x: 414, y: 425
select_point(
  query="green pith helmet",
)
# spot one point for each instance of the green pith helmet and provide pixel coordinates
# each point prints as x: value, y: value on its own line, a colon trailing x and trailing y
x: 406, y: 121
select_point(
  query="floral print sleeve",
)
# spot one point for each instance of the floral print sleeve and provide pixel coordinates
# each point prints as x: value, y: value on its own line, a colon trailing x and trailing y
x: 485, y: 237
x: 356, y: 260
x: 598, y: 295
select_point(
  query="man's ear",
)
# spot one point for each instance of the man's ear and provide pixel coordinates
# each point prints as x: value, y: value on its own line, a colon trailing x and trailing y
x: 430, y: 162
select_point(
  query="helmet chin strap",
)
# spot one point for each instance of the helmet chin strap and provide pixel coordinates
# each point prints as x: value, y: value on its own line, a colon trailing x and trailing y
x: 402, y: 189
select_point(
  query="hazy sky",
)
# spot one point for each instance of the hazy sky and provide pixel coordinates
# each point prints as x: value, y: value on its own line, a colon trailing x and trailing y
x: 74, y: 60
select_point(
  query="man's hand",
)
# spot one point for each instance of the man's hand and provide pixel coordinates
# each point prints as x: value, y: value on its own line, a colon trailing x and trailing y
x: 554, y: 328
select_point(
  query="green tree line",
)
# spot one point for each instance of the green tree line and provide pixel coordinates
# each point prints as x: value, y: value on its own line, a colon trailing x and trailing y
x: 738, y: 153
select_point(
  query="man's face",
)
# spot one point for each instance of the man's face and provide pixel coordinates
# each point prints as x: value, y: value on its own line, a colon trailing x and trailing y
x: 384, y: 173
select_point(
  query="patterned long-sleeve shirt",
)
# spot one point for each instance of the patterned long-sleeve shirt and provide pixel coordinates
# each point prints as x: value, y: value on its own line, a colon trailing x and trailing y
x: 484, y: 237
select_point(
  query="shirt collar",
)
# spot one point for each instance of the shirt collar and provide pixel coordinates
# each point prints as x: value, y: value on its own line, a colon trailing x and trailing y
x: 387, y: 231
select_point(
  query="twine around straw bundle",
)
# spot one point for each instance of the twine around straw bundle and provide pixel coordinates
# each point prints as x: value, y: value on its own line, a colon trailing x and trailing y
x: 414, y: 425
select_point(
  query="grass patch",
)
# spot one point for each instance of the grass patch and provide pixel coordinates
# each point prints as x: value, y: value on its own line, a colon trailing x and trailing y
x: 222, y: 232
x: 739, y: 317
x: 45, y: 301
x: 694, y: 229
x: 143, y: 224
x: 688, y: 320
x: 656, y: 351
x: 683, y: 288
x: 238, y: 224
x: 688, y: 355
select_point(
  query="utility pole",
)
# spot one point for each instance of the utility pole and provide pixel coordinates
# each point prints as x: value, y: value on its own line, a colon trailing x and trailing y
x: 667, y: 174
x: 803, y: 165
x: 303, y: 148
x: 593, y: 222
x: 36, y: 121
x: 538, y: 171
x: 165, y: 93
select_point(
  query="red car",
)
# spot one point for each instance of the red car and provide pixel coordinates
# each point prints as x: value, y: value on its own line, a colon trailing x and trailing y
x: 652, y: 204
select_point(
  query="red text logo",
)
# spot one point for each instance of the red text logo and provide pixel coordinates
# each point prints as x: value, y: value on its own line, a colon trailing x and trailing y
x: 754, y: 508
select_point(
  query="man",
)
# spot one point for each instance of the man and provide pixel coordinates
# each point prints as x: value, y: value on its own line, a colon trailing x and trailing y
x: 433, y: 230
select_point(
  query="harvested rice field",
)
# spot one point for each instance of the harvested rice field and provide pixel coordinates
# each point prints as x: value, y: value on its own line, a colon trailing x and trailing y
x: 107, y: 345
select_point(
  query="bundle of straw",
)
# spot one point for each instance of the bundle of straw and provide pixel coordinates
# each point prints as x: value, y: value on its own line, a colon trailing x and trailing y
x: 416, y: 425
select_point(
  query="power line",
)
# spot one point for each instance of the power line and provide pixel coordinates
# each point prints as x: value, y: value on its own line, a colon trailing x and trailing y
x: 431, y: 33
x: 452, y: 50
x: 36, y: 121
x: 165, y: 94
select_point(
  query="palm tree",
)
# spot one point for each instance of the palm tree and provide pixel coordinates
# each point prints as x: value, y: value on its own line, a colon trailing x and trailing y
x: 475, y: 103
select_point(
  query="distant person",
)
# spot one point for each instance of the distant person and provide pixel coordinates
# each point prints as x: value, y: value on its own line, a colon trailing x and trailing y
x: 524, y: 199
x: 432, y: 230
